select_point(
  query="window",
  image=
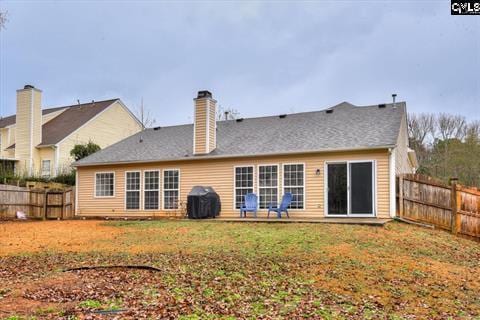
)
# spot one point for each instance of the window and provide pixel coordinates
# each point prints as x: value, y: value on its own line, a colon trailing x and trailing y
x: 268, y: 185
x: 45, y: 168
x: 132, y: 190
x: 151, y: 189
x: 104, y: 184
x: 170, y: 189
x: 243, y: 184
x: 294, y: 182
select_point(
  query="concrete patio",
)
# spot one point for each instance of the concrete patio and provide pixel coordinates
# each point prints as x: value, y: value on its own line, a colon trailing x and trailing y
x: 361, y: 221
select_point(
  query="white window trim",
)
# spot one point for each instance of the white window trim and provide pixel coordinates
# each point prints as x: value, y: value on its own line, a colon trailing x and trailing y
x: 163, y: 188
x: 49, y: 168
x: 279, y: 195
x: 235, y: 180
x: 374, y: 185
x: 158, y: 191
x: 304, y: 184
x: 95, y: 184
x: 139, y: 190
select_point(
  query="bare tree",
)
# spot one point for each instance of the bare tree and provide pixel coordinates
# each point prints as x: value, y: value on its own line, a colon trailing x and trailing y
x: 145, y: 116
x: 3, y: 19
x: 473, y: 131
x: 225, y: 113
x: 447, y: 146
x: 421, y: 126
x: 451, y: 126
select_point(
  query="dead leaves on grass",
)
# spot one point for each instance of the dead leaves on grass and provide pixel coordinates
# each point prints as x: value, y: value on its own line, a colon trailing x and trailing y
x: 260, y: 272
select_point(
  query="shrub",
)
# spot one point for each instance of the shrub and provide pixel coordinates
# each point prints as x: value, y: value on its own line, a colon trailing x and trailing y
x: 65, y: 178
x: 81, y: 151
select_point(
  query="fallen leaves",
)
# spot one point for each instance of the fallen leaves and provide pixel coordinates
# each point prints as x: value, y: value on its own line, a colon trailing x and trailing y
x: 273, y: 272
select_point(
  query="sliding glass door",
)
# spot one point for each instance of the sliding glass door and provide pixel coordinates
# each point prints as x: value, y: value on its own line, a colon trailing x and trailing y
x: 350, y: 188
x: 337, y: 189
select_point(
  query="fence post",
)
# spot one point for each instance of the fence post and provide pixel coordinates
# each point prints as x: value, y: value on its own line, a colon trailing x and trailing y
x: 45, y: 200
x: 63, y: 205
x: 400, y: 195
x: 453, y: 203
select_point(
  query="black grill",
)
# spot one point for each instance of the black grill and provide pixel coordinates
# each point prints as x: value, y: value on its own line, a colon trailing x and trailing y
x: 203, y: 203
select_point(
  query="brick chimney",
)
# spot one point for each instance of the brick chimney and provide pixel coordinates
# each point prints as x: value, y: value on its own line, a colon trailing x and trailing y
x: 204, y: 125
x: 28, y: 128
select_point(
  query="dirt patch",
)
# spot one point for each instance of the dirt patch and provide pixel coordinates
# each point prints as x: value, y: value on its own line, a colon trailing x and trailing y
x: 64, y: 236
x: 262, y: 271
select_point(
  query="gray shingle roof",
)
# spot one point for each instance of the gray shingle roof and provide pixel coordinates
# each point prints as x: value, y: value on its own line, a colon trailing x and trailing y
x: 348, y: 127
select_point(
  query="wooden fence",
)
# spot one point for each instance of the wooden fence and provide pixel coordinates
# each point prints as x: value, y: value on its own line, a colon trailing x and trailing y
x: 36, y: 204
x: 453, y: 207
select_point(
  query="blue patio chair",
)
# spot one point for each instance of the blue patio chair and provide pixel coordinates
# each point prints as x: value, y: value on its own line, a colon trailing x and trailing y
x: 286, y: 200
x: 250, y: 205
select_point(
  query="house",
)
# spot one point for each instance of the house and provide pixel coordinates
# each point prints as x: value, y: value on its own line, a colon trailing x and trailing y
x: 38, y: 142
x: 338, y: 162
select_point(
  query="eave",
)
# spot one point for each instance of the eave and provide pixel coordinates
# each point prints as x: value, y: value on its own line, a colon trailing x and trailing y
x: 236, y: 156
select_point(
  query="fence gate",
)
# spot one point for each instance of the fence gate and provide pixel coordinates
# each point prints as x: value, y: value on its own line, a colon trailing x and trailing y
x: 36, y: 204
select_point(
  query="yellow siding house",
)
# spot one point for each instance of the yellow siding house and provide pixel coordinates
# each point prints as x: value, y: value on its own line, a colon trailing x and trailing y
x: 338, y: 162
x: 38, y: 142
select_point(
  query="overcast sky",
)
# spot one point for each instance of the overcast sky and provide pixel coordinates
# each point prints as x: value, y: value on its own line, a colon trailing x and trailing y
x: 259, y: 58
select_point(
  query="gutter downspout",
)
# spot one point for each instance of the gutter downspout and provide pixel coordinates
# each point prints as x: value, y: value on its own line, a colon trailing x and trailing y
x: 392, y: 182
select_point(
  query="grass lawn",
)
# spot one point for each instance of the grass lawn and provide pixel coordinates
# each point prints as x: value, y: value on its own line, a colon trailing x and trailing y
x: 212, y: 270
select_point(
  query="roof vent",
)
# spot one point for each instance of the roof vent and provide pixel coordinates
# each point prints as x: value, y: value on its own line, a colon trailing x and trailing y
x: 28, y: 86
x: 240, y: 120
x: 394, y: 96
x: 329, y: 111
x: 204, y: 94
x: 381, y: 106
x: 157, y: 128
x: 282, y: 116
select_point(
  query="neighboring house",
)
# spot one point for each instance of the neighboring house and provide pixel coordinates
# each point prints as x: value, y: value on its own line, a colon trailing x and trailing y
x: 339, y: 162
x: 38, y: 142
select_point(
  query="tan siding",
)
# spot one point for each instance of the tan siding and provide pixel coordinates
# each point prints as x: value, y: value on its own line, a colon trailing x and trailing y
x: 212, y: 124
x: 205, y: 125
x: 402, y: 163
x: 37, y: 130
x: 8, y: 134
x: 37, y: 118
x: 51, y: 115
x: 23, y: 129
x: 3, y: 142
x: 8, y: 138
x: 200, y: 126
x: 111, y: 126
x: 45, y: 154
x: 219, y: 175
x: 11, y: 135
